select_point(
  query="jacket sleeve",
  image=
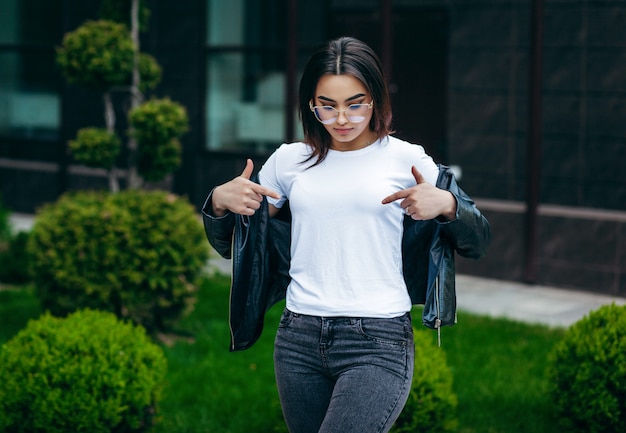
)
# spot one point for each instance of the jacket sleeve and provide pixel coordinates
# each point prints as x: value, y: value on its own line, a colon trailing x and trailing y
x: 469, y: 233
x: 219, y: 230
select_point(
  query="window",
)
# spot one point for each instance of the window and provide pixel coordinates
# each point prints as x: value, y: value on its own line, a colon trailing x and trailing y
x: 29, y: 79
x: 246, y: 69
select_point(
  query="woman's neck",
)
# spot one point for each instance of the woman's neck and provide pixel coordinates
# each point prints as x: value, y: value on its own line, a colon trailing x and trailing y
x: 359, y: 143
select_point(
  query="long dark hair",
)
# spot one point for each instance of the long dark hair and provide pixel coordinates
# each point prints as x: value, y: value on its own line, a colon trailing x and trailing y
x: 344, y: 55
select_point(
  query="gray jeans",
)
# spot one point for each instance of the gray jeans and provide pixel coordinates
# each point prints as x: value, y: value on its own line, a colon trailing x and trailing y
x: 343, y: 374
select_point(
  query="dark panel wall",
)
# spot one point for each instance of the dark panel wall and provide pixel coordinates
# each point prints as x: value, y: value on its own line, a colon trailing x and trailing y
x: 583, y: 250
x: 584, y: 141
x: 177, y: 40
x: 584, y: 100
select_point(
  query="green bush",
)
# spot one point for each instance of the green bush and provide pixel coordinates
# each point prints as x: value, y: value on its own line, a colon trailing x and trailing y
x: 15, y: 260
x: 88, y: 372
x: 150, y: 72
x: 157, y: 124
x: 119, y: 11
x: 98, y: 54
x: 135, y: 253
x: 5, y: 224
x: 96, y: 147
x: 432, y: 402
x: 587, y: 371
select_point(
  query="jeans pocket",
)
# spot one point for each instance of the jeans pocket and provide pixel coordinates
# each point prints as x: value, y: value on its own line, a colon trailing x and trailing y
x: 395, y: 331
x: 285, y: 318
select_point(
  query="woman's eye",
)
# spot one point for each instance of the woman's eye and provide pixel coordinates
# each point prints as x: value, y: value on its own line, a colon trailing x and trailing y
x: 327, y: 108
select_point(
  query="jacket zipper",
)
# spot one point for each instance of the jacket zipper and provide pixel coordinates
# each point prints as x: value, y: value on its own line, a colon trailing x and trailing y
x: 438, y: 308
x: 230, y: 292
x: 438, y: 303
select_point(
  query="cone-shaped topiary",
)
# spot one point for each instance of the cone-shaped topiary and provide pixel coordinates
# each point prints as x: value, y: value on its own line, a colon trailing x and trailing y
x: 88, y: 372
x: 587, y: 371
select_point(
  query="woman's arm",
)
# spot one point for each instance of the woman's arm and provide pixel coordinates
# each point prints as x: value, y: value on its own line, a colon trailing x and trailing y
x: 238, y: 196
x: 241, y: 195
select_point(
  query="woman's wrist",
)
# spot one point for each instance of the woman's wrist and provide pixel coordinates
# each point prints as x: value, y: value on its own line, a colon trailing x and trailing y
x: 449, y: 212
x: 216, y: 209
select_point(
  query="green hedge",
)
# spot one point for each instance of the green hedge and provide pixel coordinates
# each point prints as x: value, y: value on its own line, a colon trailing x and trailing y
x: 88, y: 372
x: 135, y: 253
x: 432, y: 402
x: 587, y: 371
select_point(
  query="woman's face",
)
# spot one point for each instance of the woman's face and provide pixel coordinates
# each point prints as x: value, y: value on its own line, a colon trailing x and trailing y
x: 339, y: 92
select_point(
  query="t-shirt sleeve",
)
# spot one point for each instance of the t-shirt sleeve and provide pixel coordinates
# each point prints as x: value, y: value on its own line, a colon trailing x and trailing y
x: 426, y: 166
x: 268, y: 177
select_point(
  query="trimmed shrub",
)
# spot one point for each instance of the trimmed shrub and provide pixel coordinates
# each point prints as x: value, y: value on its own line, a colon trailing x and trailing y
x: 98, y: 54
x: 157, y: 124
x: 96, y: 147
x: 150, y: 72
x: 587, y: 371
x: 135, y: 253
x: 432, y: 402
x: 119, y: 11
x: 88, y: 372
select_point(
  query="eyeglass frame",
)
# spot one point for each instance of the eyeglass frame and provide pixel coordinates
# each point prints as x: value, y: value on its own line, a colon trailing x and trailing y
x: 312, y: 107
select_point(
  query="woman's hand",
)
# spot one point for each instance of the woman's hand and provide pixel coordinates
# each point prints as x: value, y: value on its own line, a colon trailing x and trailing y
x: 424, y: 201
x: 240, y: 195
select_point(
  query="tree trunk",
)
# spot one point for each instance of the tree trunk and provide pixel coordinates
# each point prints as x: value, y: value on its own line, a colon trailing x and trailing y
x: 134, y: 180
x: 109, y: 118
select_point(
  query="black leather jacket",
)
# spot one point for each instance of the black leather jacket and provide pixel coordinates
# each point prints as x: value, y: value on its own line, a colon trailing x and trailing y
x: 259, y: 247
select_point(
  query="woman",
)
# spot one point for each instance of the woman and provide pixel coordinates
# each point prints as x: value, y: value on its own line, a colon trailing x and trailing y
x: 344, y: 348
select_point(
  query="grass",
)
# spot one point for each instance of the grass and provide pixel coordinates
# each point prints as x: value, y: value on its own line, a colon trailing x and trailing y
x: 500, y: 375
x: 499, y: 369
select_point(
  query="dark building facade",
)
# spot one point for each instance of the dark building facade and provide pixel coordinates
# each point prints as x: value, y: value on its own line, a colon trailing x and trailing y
x: 547, y: 172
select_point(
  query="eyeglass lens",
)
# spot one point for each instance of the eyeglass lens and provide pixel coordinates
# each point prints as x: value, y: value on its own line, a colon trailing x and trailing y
x: 355, y: 113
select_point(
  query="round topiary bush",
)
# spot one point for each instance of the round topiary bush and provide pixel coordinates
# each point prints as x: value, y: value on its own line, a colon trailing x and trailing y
x: 98, y: 54
x: 88, y: 372
x: 587, y: 372
x: 96, y: 147
x: 150, y: 72
x: 135, y: 253
x: 157, y: 124
x: 432, y: 402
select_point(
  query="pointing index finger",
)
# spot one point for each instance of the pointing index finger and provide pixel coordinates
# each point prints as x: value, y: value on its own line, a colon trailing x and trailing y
x: 396, y: 196
x: 260, y: 189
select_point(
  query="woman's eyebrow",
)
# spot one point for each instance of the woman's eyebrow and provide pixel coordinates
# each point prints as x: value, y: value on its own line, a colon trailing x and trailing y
x: 351, y: 98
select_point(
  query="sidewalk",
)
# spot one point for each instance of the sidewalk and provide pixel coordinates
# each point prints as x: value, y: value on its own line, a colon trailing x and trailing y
x: 497, y: 298
x: 528, y: 303
x: 517, y: 301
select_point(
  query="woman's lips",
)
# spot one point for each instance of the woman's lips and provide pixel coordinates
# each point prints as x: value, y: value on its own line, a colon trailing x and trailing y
x: 343, y: 131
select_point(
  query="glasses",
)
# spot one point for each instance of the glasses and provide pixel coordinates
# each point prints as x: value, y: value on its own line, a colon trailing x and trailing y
x: 328, y: 115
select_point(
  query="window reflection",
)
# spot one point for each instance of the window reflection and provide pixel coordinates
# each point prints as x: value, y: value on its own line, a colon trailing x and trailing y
x: 246, y: 75
x: 29, y: 79
x: 245, y: 104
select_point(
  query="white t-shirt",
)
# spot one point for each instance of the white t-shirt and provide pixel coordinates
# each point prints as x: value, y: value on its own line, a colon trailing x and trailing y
x: 346, y: 254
